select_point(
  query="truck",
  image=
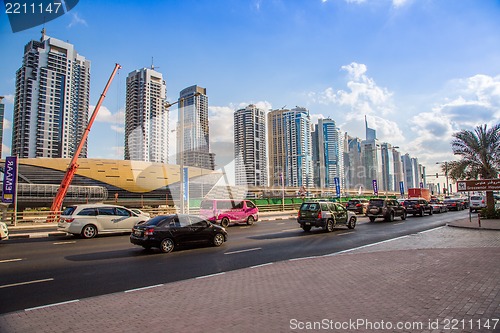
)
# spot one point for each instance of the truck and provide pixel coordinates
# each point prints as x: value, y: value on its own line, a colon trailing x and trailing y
x: 419, y: 193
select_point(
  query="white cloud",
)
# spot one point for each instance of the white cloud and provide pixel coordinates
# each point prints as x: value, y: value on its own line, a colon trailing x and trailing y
x: 7, y: 124
x: 118, y: 129
x: 76, y: 19
x: 221, y: 123
x: 105, y: 116
x: 399, y: 3
x: 9, y: 99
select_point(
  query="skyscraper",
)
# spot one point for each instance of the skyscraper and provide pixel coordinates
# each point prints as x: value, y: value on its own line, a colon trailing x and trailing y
x: 193, y: 103
x: 51, y: 103
x: 290, y: 151
x: 146, y: 117
x: 250, y: 146
x: 328, y: 154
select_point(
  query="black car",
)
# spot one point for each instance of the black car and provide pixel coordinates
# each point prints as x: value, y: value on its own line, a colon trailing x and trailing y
x: 418, y: 207
x: 387, y: 209
x: 357, y: 206
x: 454, y: 204
x: 169, y: 231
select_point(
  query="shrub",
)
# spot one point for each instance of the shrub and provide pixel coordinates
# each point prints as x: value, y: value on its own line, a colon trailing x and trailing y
x: 490, y: 213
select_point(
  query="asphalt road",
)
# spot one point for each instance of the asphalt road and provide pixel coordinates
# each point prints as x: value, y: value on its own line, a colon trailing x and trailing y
x: 38, y: 272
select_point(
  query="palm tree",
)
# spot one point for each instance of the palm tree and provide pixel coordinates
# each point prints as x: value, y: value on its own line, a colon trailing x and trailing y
x: 480, y: 152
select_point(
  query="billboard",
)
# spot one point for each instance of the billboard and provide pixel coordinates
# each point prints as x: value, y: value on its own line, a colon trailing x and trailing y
x: 9, y: 179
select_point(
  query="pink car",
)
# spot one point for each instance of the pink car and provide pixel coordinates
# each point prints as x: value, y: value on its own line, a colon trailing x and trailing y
x: 229, y: 211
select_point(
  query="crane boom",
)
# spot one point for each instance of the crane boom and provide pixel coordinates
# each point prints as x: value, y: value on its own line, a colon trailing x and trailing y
x: 70, y: 172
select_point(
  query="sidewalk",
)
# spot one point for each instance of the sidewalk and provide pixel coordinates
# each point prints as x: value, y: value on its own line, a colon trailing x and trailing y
x: 432, y: 281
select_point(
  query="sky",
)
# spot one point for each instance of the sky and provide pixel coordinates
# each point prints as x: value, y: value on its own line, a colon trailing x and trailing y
x: 419, y: 70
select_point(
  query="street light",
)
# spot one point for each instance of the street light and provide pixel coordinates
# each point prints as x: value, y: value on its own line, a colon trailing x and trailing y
x: 446, y: 175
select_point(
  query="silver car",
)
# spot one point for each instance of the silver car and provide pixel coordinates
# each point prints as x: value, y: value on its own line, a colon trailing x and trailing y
x: 92, y: 219
x: 4, y: 231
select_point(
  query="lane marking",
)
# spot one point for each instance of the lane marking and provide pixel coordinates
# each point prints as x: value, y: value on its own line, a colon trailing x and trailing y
x: 25, y: 283
x: 210, y: 275
x: 246, y: 250
x: 261, y: 265
x: 10, y: 260
x: 295, y: 259
x: 61, y: 243
x: 144, y: 288
x: 49, y: 305
x: 280, y: 223
x: 346, y: 233
x: 362, y: 247
x: 398, y: 223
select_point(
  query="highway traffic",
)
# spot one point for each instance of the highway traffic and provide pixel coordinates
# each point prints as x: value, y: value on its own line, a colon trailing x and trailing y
x: 40, y: 272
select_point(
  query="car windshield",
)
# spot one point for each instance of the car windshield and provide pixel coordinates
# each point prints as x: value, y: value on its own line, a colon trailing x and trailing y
x: 476, y: 198
x: 378, y: 203
x: 309, y: 206
x: 411, y: 202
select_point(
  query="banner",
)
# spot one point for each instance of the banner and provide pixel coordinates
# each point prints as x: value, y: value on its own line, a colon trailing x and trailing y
x: 375, y: 187
x: 185, y: 184
x: 402, y: 188
x: 336, y: 180
x: 9, y: 179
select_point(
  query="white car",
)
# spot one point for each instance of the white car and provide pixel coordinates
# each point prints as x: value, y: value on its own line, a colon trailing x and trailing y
x: 4, y: 231
x: 477, y: 202
x: 140, y: 213
x: 92, y: 219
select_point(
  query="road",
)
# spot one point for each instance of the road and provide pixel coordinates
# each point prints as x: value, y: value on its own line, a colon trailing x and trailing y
x: 38, y: 272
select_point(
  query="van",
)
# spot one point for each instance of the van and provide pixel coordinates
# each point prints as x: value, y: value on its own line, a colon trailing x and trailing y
x: 224, y: 212
x: 89, y: 220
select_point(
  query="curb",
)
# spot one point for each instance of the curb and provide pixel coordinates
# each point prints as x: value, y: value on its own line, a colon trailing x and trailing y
x: 37, y: 235
x: 471, y: 227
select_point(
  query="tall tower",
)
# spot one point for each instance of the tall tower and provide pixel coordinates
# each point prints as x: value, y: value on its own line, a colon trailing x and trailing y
x: 51, y: 103
x: 328, y: 154
x: 250, y: 146
x: 146, y: 117
x: 290, y: 151
x: 193, y: 102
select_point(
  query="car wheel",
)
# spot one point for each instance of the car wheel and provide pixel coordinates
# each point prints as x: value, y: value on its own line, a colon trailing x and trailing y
x: 390, y: 218
x: 431, y: 212
x: 372, y: 218
x: 167, y: 245
x: 421, y: 213
x: 329, y: 225
x: 403, y: 217
x: 224, y: 222
x: 218, y: 239
x: 352, y: 223
x: 89, y: 231
x: 306, y: 228
x: 250, y: 220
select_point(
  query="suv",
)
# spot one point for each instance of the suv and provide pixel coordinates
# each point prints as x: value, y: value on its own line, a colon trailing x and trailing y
x: 326, y: 215
x: 477, y: 202
x: 357, y: 205
x: 418, y: 206
x: 385, y: 208
x: 92, y: 219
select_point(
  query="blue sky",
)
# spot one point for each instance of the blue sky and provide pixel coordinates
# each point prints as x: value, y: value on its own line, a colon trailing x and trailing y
x: 419, y: 70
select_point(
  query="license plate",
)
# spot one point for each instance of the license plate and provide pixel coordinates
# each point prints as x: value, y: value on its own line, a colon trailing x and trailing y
x: 137, y: 232
x: 308, y: 223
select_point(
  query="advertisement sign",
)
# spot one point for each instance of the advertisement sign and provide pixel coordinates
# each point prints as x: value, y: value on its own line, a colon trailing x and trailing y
x: 402, y: 188
x: 9, y: 179
x: 336, y: 180
x: 375, y: 187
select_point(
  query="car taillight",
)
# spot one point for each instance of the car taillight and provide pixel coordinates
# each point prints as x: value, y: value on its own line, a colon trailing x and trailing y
x: 68, y: 220
x: 482, y: 201
x: 358, y: 205
x: 417, y: 206
x: 149, y: 231
x: 298, y: 214
x: 319, y: 214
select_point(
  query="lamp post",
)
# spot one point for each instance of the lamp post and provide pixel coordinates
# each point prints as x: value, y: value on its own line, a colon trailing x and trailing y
x: 446, y: 175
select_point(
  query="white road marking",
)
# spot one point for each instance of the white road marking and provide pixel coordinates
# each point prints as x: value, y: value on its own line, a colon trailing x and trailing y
x: 61, y: 243
x: 294, y: 229
x: 361, y: 247
x: 10, y: 260
x: 346, y: 233
x: 49, y: 305
x: 25, y: 283
x: 246, y: 250
x: 210, y: 275
x: 261, y: 265
x: 144, y: 288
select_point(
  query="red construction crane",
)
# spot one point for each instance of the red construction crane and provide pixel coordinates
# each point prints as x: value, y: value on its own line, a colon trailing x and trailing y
x: 70, y: 172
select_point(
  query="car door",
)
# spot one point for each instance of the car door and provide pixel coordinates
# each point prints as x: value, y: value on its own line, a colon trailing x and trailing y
x: 124, y: 219
x: 340, y: 214
x: 199, y: 229
x: 106, y: 218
